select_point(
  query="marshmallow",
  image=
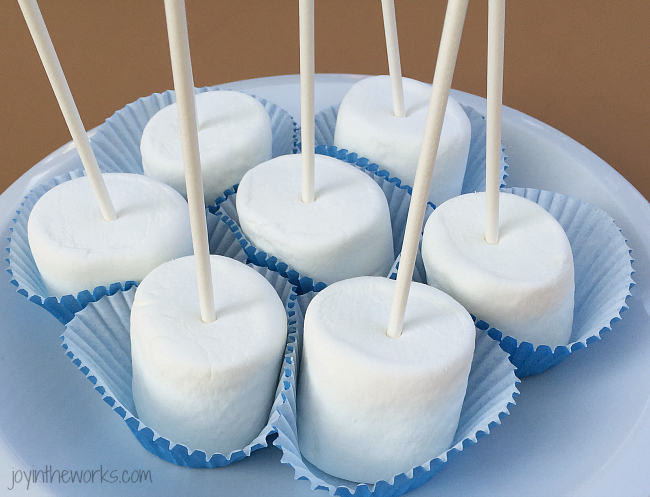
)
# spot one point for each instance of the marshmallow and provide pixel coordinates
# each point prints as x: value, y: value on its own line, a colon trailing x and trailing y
x: 371, y: 407
x: 523, y: 285
x: 75, y: 249
x: 366, y: 125
x: 208, y: 386
x: 234, y: 136
x: 345, y: 232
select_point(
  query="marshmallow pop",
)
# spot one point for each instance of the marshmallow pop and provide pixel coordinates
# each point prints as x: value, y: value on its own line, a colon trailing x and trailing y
x: 515, y: 269
x: 234, y: 136
x: 99, y: 229
x: 328, y: 220
x: 367, y: 125
x: 207, y: 332
x: 392, y: 137
x: 381, y: 386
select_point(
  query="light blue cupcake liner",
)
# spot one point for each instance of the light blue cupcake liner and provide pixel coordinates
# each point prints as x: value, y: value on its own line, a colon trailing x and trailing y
x: 116, y: 142
x: 603, y: 278
x: 98, y: 342
x: 25, y: 274
x: 474, y: 180
x: 397, y: 195
x: 27, y: 279
x: 491, y: 390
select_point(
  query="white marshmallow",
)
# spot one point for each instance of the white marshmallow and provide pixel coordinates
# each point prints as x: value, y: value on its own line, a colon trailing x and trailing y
x: 523, y: 285
x: 208, y: 386
x: 371, y: 407
x: 234, y: 136
x: 366, y: 125
x: 75, y: 249
x: 345, y: 232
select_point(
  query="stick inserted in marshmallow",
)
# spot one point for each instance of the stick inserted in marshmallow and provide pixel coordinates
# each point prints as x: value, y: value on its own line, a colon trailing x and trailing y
x: 206, y: 383
x: 307, y: 69
x: 394, y: 64
x: 179, y: 48
x: 447, y: 54
x: 504, y: 258
x: 337, y: 225
x: 72, y: 245
x: 496, y: 29
x: 45, y: 48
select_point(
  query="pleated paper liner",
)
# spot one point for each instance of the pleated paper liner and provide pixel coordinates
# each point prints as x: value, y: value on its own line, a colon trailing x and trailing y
x: 116, y: 142
x: 397, y: 195
x: 603, y: 278
x: 491, y: 390
x: 474, y: 180
x: 25, y: 274
x: 97, y: 341
x: 27, y: 279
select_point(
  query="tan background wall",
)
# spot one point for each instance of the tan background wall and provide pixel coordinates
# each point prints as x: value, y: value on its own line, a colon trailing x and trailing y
x: 582, y: 66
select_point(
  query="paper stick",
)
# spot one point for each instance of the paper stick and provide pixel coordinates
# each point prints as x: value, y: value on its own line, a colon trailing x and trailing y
x: 447, y: 54
x: 496, y: 29
x: 394, y: 65
x: 307, y: 68
x: 179, y: 48
x: 52, y: 66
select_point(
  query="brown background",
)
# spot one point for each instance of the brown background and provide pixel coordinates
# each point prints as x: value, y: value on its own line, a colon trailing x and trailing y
x: 581, y: 66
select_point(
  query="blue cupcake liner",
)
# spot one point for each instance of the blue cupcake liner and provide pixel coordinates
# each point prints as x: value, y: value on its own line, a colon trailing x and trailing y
x: 474, y: 181
x: 491, y: 390
x: 603, y: 279
x: 116, y: 142
x: 397, y: 195
x: 25, y: 274
x: 98, y: 342
x: 27, y: 279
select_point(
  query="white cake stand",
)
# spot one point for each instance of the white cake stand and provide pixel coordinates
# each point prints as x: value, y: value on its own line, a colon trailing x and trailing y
x: 581, y: 428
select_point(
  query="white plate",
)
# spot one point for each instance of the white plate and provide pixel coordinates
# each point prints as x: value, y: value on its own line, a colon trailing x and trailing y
x: 581, y: 428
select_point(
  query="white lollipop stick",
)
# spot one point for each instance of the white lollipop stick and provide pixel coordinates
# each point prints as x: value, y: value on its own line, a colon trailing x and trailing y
x: 447, y: 54
x: 307, y: 68
x: 52, y: 66
x: 394, y: 65
x: 179, y: 47
x: 496, y: 28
